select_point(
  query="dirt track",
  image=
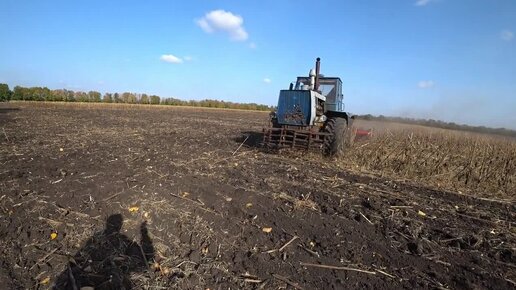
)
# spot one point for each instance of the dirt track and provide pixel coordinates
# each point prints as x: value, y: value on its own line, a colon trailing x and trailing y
x: 66, y: 168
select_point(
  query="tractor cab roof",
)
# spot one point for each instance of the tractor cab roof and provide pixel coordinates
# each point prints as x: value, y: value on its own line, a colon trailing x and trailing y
x: 322, y: 79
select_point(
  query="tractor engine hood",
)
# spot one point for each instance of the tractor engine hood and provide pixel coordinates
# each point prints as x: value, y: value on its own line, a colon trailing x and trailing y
x: 298, y: 107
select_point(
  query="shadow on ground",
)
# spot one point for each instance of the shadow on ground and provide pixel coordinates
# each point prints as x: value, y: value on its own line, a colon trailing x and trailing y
x: 107, y: 259
x: 250, y: 139
x: 4, y: 114
x: 8, y: 110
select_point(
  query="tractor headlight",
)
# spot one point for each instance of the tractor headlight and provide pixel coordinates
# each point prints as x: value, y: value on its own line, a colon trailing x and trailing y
x: 321, y: 119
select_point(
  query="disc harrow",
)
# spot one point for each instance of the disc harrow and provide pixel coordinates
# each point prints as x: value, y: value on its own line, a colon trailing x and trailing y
x: 287, y: 137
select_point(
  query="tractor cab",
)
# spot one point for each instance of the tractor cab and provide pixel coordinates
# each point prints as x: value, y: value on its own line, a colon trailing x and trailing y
x: 330, y: 87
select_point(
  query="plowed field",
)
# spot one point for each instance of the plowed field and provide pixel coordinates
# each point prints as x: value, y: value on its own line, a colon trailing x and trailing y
x: 142, y: 197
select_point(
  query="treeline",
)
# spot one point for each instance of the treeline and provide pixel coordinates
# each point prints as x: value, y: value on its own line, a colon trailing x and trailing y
x: 440, y: 124
x: 216, y: 104
x: 63, y: 95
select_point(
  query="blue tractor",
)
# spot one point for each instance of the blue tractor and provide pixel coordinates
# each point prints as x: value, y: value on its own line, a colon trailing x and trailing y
x: 310, y: 114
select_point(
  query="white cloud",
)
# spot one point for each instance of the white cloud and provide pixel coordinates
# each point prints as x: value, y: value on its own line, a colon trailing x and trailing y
x: 267, y: 80
x: 171, y: 58
x: 506, y: 35
x: 423, y: 2
x: 224, y: 21
x: 425, y: 84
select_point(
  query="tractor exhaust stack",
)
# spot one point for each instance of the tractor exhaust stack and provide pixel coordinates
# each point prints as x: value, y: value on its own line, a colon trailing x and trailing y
x: 317, y: 70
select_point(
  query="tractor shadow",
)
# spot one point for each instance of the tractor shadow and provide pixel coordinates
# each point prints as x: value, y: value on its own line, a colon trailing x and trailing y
x: 251, y: 139
x: 8, y: 110
x: 107, y: 259
x: 5, y: 115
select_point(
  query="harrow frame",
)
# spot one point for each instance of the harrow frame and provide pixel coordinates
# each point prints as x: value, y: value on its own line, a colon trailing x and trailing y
x: 294, y: 137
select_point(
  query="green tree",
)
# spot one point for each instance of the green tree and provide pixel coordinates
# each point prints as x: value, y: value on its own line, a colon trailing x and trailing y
x: 81, y: 96
x: 144, y: 99
x: 94, y: 96
x: 154, y: 100
x: 116, y: 98
x: 19, y: 93
x: 40, y: 94
x: 129, y: 98
x: 5, y: 93
x: 70, y: 96
x: 108, y: 98
x: 62, y: 95
x: 58, y: 95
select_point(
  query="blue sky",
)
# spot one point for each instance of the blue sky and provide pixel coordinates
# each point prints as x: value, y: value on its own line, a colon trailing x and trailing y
x: 453, y: 60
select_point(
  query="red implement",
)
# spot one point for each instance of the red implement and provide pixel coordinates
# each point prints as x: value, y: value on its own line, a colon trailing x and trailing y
x: 362, y: 134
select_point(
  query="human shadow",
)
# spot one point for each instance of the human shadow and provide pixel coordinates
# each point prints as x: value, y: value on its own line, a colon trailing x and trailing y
x: 107, y: 259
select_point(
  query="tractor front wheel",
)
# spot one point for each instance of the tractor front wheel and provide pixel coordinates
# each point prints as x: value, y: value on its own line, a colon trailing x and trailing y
x: 336, y: 143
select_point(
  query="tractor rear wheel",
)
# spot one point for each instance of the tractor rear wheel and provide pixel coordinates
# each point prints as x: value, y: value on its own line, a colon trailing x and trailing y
x: 338, y: 140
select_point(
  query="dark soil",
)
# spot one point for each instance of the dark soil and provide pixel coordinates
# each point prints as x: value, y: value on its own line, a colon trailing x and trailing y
x: 192, y: 211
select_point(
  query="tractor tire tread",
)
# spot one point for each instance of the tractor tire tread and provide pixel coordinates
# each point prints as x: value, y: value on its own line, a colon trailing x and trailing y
x: 336, y: 142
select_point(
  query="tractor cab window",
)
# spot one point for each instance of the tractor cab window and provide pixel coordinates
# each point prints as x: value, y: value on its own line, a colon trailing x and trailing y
x: 331, y: 88
x: 328, y: 90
